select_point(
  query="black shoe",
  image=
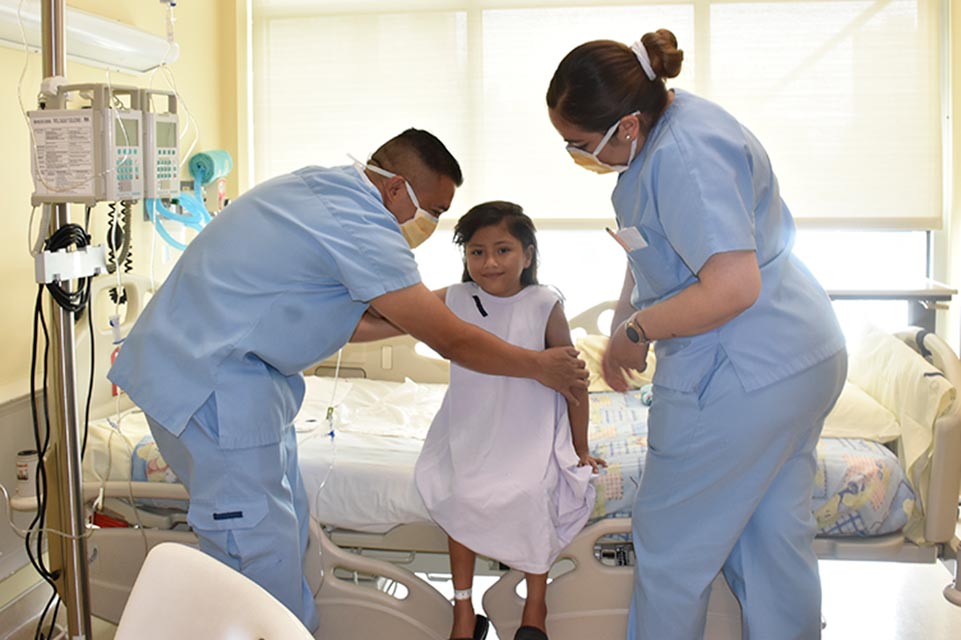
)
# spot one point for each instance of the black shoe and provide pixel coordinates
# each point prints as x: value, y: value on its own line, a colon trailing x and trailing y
x: 481, y: 625
x: 530, y: 633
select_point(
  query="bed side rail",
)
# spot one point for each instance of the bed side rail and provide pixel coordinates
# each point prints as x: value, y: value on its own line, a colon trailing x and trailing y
x: 349, y: 609
x: 944, y: 488
x: 138, y: 490
x: 945, y: 483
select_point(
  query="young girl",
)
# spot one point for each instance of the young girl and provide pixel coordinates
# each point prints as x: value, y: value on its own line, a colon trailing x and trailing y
x: 505, y: 469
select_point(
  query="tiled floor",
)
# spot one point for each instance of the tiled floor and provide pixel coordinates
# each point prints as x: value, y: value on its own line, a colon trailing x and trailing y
x: 888, y: 601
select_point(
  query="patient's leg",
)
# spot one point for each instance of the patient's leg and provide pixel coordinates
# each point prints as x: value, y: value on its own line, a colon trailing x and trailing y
x: 535, y: 607
x: 462, y: 575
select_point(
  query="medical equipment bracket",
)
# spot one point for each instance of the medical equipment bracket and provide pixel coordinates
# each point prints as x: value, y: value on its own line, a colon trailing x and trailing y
x: 62, y: 266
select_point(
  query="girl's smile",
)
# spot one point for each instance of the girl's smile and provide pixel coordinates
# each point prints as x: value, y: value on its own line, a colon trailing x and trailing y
x: 496, y: 259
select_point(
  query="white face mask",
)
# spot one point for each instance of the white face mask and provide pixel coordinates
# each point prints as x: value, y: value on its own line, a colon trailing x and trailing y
x: 589, y: 160
x: 422, y: 225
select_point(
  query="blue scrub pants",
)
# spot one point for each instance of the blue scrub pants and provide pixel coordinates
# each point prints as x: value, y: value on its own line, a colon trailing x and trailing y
x: 248, y: 506
x: 727, y: 486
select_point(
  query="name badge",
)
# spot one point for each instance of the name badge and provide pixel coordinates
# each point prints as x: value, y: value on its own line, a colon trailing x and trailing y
x: 629, y: 238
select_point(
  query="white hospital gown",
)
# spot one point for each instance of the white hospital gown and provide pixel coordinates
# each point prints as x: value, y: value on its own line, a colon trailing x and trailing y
x: 498, y: 470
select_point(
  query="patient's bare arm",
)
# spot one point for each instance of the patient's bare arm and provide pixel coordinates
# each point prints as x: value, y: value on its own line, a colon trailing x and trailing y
x: 558, y: 334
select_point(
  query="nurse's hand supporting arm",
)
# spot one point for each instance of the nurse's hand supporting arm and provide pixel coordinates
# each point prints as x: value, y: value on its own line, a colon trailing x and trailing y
x: 421, y: 314
x: 727, y: 284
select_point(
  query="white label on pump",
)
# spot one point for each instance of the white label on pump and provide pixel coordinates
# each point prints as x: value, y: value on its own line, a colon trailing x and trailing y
x: 64, y: 153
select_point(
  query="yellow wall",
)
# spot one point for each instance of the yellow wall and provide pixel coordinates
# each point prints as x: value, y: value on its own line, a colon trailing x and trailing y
x: 206, y: 77
x: 948, y: 243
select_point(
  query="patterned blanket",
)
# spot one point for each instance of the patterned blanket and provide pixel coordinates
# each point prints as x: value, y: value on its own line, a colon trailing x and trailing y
x: 860, y: 489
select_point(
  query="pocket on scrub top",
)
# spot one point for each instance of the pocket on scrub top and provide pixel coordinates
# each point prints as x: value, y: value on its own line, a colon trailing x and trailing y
x: 658, y: 270
x: 228, y: 515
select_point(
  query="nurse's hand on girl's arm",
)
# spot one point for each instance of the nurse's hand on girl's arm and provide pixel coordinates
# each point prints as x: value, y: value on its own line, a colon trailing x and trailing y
x: 421, y: 313
x: 555, y: 369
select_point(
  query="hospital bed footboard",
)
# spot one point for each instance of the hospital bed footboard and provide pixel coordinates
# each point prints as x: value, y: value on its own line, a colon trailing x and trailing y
x: 592, y: 599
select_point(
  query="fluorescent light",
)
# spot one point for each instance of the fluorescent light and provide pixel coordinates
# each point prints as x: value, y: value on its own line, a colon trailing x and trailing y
x: 90, y: 39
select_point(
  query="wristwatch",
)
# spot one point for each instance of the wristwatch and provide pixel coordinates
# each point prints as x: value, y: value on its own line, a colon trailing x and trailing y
x: 635, y: 332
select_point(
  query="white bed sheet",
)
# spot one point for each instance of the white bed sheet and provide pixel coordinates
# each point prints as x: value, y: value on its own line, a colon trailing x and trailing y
x: 361, y: 479
x: 370, y: 486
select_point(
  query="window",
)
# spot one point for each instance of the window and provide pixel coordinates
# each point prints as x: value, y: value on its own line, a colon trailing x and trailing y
x: 847, y: 104
x: 866, y: 259
x: 583, y: 265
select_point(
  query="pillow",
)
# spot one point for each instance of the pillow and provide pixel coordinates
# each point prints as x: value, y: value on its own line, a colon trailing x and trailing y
x: 900, y: 379
x: 592, y: 350
x: 858, y: 415
x: 917, y: 393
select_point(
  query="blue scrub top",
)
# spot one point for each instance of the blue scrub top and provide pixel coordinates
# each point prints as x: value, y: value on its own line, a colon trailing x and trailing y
x: 275, y: 283
x: 702, y: 184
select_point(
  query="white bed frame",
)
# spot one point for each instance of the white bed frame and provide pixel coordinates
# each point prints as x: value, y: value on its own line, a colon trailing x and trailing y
x: 591, y: 600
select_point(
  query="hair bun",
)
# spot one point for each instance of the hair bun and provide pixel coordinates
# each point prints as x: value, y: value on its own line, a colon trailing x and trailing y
x: 666, y: 58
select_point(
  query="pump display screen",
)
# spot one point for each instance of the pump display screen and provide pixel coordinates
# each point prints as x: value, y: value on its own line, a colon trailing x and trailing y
x: 127, y: 133
x: 166, y: 134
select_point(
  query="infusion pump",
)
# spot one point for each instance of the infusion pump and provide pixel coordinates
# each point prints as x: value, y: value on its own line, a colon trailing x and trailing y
x: 161, y: 157
x: 91, y: 153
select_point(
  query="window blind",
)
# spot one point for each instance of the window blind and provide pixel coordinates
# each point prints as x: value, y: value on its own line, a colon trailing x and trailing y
x: 844, y: 94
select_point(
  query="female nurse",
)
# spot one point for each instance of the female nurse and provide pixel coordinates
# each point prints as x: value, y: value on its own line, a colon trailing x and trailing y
x: 750, y: 357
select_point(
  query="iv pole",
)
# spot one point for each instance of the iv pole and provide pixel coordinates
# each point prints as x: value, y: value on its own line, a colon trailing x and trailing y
x: 62, y: 399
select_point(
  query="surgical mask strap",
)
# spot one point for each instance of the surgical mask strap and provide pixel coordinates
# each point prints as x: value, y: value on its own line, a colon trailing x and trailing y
x: 610, y: 134
x: 391, y: 174
x: 607, y: 138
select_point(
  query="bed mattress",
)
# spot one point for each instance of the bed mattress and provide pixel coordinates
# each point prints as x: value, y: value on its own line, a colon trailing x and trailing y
x: 360, y: 473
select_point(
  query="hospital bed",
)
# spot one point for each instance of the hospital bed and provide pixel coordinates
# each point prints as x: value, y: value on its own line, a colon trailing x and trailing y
x: 367, y: 511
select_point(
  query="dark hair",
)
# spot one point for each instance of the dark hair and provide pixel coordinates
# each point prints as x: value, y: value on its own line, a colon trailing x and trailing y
x: 601, y: 81
x: 489, y: 214
x: 394, y: 155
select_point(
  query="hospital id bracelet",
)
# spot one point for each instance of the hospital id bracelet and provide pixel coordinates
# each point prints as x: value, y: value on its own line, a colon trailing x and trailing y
x: 635, y: 332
